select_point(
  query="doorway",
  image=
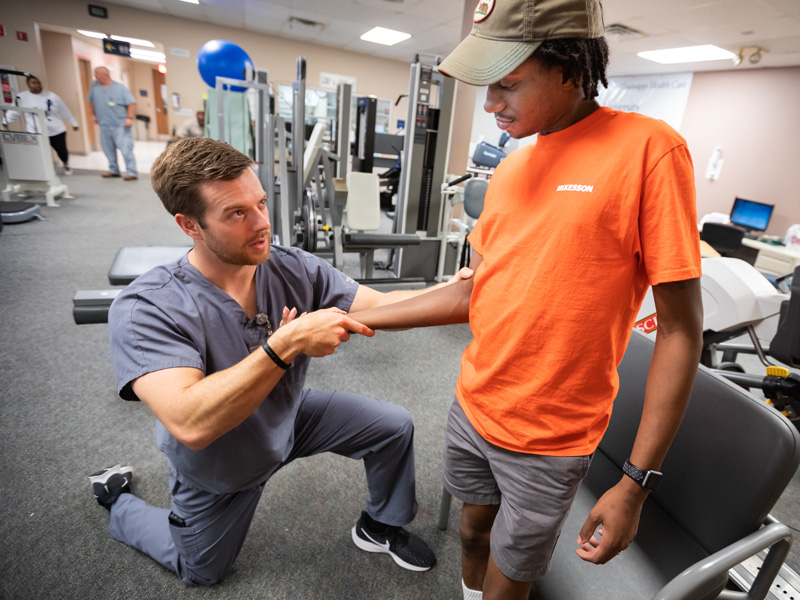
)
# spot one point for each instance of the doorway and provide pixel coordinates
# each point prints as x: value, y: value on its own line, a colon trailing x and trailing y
x: 85, y: 67
x: 160, y: 93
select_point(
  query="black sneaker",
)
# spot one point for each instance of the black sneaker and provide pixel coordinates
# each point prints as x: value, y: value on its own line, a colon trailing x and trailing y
x: 108, y: 484
x: 406, y: 549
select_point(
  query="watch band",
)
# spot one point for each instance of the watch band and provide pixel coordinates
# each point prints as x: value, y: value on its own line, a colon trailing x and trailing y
x: 275, y: 358
x: 649, y: 480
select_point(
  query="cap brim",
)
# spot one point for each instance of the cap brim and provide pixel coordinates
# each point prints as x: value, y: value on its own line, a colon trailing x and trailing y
x: 481, y: 61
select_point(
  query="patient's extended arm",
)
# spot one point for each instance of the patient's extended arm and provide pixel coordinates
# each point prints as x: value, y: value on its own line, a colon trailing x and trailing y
x: 446, y: 305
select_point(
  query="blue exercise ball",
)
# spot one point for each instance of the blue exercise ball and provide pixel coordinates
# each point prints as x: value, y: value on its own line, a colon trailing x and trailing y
x: 221, y: 58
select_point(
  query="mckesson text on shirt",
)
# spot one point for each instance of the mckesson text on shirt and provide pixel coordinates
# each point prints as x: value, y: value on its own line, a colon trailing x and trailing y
x: 572, y: 187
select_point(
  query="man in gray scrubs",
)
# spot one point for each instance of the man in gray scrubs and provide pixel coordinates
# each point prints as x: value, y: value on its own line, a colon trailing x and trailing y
x: 217, y: 344
x: 113, y: 107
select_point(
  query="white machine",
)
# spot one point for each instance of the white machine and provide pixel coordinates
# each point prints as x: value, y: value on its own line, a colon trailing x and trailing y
x: 738, y: 300
x: 735, y: 296
x: 28, y: 161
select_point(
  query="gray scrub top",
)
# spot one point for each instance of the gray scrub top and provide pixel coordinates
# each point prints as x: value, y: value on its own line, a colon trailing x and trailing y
x: 172, y: 316
x: 111, y: 103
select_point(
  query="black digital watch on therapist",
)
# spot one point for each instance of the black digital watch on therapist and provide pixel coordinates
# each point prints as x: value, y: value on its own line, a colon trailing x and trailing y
x: 649, y: 480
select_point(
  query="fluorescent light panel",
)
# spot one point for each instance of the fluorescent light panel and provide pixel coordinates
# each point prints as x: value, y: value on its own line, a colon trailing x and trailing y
x: 133, y: 41
x: 688, y: 54
x: 387, y: 37
x: 148, y: 55
x: 191, y: 1
x: 92, y: 34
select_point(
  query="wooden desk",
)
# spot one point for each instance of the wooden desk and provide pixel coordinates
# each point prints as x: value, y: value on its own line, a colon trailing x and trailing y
x: 775, y: 260
x: 706, y: 251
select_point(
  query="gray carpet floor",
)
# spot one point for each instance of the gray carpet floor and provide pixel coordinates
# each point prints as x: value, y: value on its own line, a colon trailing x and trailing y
x: 60, y: 419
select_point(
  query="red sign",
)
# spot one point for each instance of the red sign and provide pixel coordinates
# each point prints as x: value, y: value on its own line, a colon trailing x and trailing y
x: 648, y: 324
x: 8, y: 97
x: 22, y: 36
x: 2, y: 31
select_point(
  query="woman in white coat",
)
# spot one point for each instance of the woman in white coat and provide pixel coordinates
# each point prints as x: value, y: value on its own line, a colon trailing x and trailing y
x: 54, y: 109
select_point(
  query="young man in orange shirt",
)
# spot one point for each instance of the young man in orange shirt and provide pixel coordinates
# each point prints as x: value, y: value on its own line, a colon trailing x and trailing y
x: 574, y: 230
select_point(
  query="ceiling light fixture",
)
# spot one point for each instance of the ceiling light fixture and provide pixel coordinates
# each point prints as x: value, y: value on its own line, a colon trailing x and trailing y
x: 688, y: 54
x: 93, y: 34
x: 754, y: 55
x: 191, y: 1
x: 148, y: 55
x: 133, y: 41
x: 387, y: 37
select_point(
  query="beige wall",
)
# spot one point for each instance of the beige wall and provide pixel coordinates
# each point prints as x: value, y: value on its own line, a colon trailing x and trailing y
x: 754, y: 116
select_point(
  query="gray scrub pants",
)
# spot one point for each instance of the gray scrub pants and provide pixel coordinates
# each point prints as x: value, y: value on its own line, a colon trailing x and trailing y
x: 113, y: 138
x: 203, y: 548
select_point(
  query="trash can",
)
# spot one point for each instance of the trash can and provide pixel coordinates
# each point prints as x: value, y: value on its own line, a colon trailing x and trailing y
x: 142, y: 124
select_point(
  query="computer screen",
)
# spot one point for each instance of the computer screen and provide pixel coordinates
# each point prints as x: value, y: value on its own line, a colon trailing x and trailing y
x: 751, y: 214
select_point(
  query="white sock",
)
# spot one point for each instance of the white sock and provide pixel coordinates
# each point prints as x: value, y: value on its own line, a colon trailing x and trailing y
x: 471, y: 594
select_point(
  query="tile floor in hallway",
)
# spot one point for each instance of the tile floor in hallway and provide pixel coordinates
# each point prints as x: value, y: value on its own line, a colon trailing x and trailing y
x: 145, y: 153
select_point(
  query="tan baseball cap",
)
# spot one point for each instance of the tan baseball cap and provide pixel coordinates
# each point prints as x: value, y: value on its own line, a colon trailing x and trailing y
x: 506, y: 32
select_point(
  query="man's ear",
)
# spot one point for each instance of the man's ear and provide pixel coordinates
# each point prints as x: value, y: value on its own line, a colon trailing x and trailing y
x: 567, y: 82
x: 189, y: 225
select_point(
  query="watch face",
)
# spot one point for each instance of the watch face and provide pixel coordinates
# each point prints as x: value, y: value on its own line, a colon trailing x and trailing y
x: 652, y: 479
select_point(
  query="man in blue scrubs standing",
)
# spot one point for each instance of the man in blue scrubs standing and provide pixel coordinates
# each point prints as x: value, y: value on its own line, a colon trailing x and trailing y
x: 114, y: 108
x: 217, y: 344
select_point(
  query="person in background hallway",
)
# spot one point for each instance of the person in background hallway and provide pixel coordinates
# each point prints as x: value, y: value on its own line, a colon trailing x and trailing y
x: 114, y: 108
x: 55, y: 110
x: 192, y: 127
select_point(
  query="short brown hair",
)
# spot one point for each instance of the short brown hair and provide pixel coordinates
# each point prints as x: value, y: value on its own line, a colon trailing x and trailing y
x: 184, y: 166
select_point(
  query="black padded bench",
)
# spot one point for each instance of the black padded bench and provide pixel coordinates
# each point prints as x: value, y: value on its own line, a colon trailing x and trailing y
x: 366, y: 244
x: 132, y: 261
x: 91, y: 306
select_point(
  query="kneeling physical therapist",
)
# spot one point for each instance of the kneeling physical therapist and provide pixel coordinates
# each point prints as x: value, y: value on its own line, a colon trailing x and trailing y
x: 217, y: 345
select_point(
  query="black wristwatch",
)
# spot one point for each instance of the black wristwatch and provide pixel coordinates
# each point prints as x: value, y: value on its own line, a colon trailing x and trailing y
x: 649, y: 480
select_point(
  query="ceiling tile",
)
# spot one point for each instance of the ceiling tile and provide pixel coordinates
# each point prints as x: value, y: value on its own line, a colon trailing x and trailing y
x: 712, y: 16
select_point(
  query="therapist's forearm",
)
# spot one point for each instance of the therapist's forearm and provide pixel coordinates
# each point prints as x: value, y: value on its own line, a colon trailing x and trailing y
x: 131, y: 111
x: 446, y: 305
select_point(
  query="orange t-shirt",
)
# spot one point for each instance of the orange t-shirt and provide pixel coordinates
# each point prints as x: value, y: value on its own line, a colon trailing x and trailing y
x: 573, y: 231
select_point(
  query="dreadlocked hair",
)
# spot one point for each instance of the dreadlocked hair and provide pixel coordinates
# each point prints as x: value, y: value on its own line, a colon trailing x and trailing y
x: 584, y: 61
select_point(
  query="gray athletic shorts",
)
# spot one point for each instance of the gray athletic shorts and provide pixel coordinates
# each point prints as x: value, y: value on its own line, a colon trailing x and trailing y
x: 534, y: 492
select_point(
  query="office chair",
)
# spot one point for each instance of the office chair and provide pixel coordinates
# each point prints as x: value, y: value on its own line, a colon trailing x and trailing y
x: 725, y: 239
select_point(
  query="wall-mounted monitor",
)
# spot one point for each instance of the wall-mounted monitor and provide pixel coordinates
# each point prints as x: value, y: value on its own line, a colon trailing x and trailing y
x: 751, y: 215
